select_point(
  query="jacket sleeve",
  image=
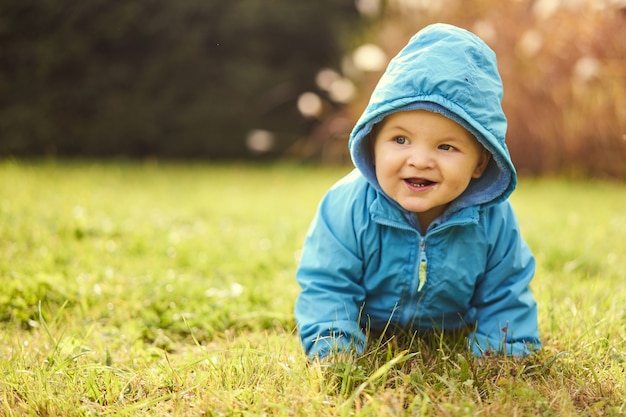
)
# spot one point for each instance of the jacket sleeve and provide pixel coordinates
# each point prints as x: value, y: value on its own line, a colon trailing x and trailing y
x: 328, y: 308
x: 506, y: 310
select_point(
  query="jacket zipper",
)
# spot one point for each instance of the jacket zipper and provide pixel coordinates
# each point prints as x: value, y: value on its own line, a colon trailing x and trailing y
x: 423, y: 263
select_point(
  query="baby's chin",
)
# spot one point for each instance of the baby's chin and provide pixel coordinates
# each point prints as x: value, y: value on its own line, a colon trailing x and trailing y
x: 422, y: 210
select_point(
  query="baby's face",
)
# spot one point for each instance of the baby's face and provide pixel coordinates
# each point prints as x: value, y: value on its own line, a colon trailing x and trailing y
x: 424, y: 160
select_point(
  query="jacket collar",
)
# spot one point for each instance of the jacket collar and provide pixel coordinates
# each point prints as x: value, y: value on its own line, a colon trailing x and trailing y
x: 387, y: 212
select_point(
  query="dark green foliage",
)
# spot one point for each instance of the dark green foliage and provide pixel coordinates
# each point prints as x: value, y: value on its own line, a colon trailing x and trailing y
x: 162, y: 78
x: 21, y: 301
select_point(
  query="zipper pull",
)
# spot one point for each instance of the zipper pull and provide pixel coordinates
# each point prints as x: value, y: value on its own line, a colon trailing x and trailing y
x: 422, y: 269
x: 422, y: 275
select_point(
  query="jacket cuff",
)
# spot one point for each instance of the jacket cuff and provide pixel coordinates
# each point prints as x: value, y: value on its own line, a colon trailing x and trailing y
x: 483, y: 346
x: 330, y: 345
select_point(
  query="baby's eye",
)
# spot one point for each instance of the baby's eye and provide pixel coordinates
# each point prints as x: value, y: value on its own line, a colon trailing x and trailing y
x: 400, y: 140
x: 446, y: 147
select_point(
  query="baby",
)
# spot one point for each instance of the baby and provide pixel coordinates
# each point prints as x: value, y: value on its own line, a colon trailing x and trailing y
x: 421, y: 236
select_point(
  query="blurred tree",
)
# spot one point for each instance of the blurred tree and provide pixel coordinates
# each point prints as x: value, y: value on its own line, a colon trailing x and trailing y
x: 162, y: 78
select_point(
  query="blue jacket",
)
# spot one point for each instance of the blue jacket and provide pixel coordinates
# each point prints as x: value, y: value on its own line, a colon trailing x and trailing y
x: 365, y: 264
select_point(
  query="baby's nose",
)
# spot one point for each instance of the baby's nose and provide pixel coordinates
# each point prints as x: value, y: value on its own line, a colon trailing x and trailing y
x: 421, y: 158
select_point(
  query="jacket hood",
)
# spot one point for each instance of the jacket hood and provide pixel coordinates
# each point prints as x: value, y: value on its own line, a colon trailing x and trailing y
x: 447, y: 70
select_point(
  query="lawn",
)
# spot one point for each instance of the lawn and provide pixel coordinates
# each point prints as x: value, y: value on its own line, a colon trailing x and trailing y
x: 167, y: 289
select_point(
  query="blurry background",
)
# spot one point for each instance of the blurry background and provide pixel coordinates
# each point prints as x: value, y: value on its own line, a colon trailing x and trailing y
x: 269, y: 79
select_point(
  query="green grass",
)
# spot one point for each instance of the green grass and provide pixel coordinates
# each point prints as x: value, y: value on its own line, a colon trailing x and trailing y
x: 168, y: 289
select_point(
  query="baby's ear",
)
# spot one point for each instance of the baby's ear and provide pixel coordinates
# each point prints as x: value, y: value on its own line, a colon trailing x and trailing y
x: 483, y: 161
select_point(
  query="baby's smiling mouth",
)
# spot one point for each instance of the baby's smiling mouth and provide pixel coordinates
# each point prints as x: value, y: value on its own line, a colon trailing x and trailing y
x: 418, y: 182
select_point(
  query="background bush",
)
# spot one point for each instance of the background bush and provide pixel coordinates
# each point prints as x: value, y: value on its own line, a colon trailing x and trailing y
x: 194, y: 78
x: 160, y: 78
